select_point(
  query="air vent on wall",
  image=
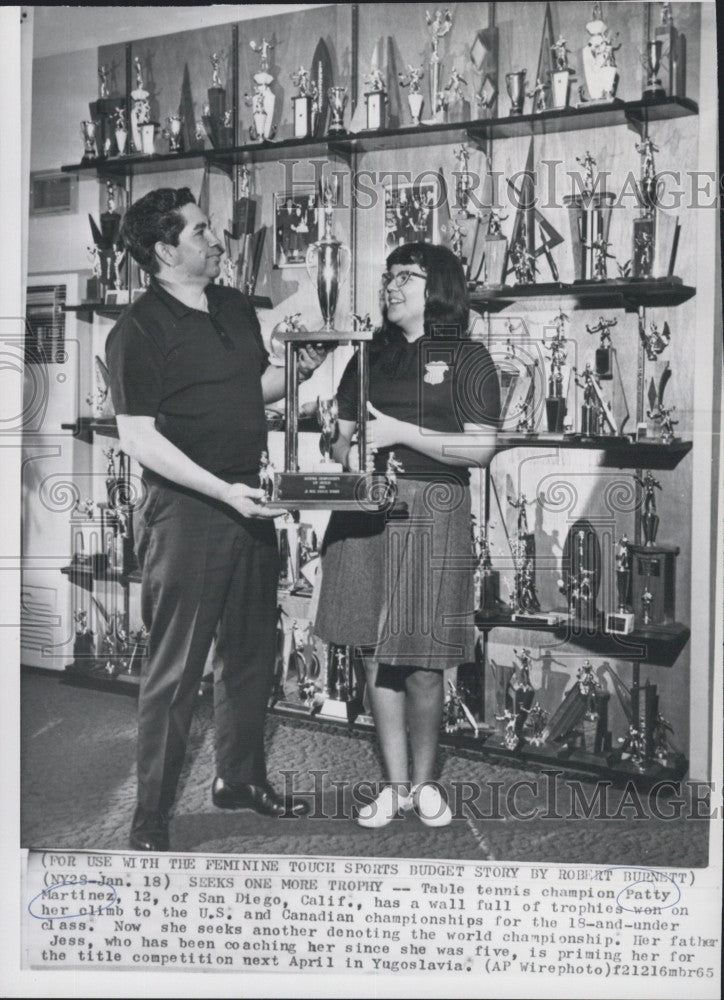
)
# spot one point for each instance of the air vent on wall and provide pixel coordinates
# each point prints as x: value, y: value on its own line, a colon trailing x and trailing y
x: 53, y: 193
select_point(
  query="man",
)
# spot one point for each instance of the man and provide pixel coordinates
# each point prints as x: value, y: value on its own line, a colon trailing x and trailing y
x: 189, y: 380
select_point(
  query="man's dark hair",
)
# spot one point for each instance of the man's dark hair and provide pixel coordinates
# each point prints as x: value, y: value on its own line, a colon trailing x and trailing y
x: 154, y: 218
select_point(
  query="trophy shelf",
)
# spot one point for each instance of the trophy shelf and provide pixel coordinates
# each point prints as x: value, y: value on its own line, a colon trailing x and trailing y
x: 619, y: 453
x: 614, y: 294
x: 658, y: 645
x: 123, y: 166
x: 104, y: 309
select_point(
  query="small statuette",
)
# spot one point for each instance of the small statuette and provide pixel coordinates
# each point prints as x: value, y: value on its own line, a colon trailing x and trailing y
x: 375, y: 98
x: 649, y: 518
x: 266, y: 476
x: 415, y: 98
x: 392, y: 469
x: 538, y: 96
x: 172, y: 132
x: 655, y: 341
x: 604, y: 352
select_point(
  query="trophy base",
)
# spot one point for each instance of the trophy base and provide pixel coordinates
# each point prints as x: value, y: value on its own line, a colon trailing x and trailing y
x: 533, y: 619
x: 333, y: 491
x: 333, y: 709
x: 619, y: 623
x: 654, y: 93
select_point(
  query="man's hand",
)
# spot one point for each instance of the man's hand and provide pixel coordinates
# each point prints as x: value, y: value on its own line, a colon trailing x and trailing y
x: 309, y: 358
x: 245, y: 500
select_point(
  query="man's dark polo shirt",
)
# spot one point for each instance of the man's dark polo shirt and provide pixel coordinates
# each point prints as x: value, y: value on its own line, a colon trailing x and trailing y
x: 198, y: 374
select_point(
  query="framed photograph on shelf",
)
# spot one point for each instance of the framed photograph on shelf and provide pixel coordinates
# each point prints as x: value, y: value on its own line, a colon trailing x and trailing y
x: 411, y: 214
x: 295, y: 226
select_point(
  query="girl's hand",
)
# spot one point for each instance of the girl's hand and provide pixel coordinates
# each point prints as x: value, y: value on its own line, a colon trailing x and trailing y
x: 383, y: 432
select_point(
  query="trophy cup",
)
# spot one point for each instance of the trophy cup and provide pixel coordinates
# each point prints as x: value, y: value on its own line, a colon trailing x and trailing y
x: 337, y: 102
x: 604, y: 352
x: 303, y: 103
x: 621, y: 622
x: 142, y: 128
x: 556, y: 398
x: 262, y: 102
x: 173, y: 132
x: 375, y: 99
x: 515, y: 84
x: 589, y: 215
x: 326, y: 488
x: 217, y: 119
x: 599, y: 62
x: 90, y: 150
x: 439, y: 24
x: 653, y: 91
x: 415, y: 98
x: 561, y: 75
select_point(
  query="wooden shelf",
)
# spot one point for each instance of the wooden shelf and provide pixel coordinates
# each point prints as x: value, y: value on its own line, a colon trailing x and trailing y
x: 619, y: 453
x: 122, y: 166
x: 658, y: 645
x: 613, y: 294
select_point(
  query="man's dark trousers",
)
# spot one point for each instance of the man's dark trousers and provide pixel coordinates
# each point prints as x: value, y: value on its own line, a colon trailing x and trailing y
x: 207, y: 572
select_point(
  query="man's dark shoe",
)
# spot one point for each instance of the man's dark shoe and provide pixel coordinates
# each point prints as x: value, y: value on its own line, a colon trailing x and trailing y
x: 149, y: 830
x: 261, y: 798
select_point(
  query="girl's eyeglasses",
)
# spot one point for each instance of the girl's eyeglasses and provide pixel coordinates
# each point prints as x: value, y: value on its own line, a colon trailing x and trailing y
x: 401, y: 278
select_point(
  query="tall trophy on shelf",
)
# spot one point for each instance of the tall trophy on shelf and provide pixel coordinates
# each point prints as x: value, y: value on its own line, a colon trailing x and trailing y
x: 120, y: 131
x: 439, y: 24
x: 605, y: 352
x: 621, y: 622
x: 486, y: 579
x: 496, y: 251
x: 599, y: 61
x: 518, y: 700
x: 262, y: 101
x: 375, y: 98
x: 415, y: 98
x: 561, y: 74
x: 654, y: 578
x: 656, y: 231
x: 322, y: 487
x: 216, y: 118
x: 303, y: 103
x: 589, y: 215
x: 673, y: 54
x: 597, y: 419
x: 106, y: 239
x: 581, y: 575
x: 539, y: 96
x: 143, y: 129
x: 653, y: 91
x: 557, y: 387
x: 524, y: 598
x: 657, y: 413
x: 103, y: 113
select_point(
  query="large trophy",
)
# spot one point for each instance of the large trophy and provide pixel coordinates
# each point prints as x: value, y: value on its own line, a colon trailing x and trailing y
x: 142, y: 128
x: 103, y: 115
x: 216, y: 119
x: 599, y: 62
x: 439, y: 24
x: 654, y: 577
x: 561, y: 74
x: 590, y: 217
x: 328, y: 486
x: 263, y: 100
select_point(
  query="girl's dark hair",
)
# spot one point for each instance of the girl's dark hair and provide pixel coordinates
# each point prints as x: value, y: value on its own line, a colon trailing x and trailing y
x: 447, y: 303
x: 152, y: 219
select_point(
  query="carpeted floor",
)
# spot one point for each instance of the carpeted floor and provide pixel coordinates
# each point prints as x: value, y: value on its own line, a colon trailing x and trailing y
x: 78, y: 791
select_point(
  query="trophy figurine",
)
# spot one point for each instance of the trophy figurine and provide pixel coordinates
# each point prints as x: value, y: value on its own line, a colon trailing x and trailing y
x: 524, y: 597
x: 655, y: 341
x: 538, y: 96
x: 657, y: 413
x: 519, y: 698
x: 523, y: 263
x: 556, y: 399
x: 515, y: 84
x: 217, y: 119
x: 653, y: 90
x: 456, y: 104
x: 596, y: 414
x: 327, y: 414
x: 599, y: 62
x: 604, y: 352
x: 266, y: 476
x: 337, y: 102
x: 649, y: 518
x: 561, y: 75
x: 415, y: 98
x: 621, y: 622
x: 496, y: 251
x: 303, y: 103
x: 262, y: 101
x: 375, y: 98
x: 654, y: 572
x: 463, y: 181
x: 326, y: 254
x: 439, y: 24
x: 121, y: 131
x: 173, y: 132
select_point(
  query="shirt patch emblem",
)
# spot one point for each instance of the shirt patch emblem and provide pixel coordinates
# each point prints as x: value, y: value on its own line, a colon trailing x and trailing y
x: 435, y: 372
